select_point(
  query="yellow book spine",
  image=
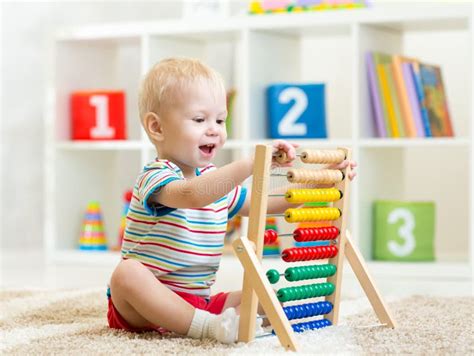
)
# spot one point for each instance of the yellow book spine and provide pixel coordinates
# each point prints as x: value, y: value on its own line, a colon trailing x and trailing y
x: 388, y: 100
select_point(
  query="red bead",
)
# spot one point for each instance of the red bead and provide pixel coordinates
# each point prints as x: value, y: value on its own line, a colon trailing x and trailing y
x: 270, y: 237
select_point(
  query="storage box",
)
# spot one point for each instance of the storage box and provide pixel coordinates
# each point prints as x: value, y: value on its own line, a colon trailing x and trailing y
x: 403, y: 231
x: 296, y: 111
x: 98, y: 115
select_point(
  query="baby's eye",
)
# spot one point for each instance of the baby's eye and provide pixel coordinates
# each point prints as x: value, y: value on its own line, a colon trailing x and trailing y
x: 198, y: 119
x: 221, y: 122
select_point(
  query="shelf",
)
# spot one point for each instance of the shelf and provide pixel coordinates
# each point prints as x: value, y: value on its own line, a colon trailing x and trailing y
x: 415, y: 142
x: 396, y: 17
x: 123, y: 145
x: 251, y: 53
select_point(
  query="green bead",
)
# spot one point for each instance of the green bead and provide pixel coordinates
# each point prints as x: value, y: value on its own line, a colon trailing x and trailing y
x: 317, y: 290
x: 273, y: 276
x: 282, y: 295
x: 302, y: 273
x: 308, y: 291
x: 331, y: 288
x: 291, y: 274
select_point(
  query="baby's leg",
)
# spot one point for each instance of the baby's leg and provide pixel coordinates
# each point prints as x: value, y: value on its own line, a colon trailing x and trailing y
x: 143, y: 301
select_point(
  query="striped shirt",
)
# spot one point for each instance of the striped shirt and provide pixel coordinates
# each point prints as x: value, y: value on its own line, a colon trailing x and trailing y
x: 182, y: 247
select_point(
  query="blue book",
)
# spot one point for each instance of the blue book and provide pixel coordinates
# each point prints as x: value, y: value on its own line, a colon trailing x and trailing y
x: 421, y: 98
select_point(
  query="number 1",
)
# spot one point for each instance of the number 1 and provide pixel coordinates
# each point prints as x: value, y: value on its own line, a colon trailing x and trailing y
x: 101, y: 128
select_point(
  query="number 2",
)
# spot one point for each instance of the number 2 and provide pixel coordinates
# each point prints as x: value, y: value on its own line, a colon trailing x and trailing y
x: 288, y: 125
x: 405, y: 232
x: 101, y: 128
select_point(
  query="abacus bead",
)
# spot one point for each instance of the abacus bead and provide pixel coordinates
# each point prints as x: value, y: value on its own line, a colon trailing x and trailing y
x: 282, y: 295
x: 306, y: 272
x: 289, y: 311
x: 270, y: 236
x: 331, y: 288
x: 273, y: 276
x: 299, y: 311
x: 297, y: 235
x: 290, y: 274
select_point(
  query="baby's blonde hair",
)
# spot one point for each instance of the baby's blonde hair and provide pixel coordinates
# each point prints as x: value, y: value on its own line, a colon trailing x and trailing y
x: 164, y: 81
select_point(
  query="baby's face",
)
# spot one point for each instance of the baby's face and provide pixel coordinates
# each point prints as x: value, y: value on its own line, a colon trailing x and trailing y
x: 194, y: 128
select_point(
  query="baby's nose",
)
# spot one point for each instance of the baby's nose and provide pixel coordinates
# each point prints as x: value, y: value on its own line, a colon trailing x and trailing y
x: 212, y: 130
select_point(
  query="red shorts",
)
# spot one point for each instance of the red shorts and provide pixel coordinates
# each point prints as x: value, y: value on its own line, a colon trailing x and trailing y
x: 214, y: 305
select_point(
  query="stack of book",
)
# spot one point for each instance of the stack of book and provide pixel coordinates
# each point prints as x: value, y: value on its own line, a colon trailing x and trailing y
x: 408, y: 97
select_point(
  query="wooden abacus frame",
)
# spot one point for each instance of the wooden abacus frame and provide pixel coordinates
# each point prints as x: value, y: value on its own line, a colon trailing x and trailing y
x: 256, y: 286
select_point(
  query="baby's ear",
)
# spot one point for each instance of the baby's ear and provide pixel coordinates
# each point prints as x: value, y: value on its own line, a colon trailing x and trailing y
x: 153, y: 126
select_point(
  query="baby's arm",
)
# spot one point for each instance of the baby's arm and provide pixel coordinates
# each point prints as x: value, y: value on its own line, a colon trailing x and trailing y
x: 204, y: 189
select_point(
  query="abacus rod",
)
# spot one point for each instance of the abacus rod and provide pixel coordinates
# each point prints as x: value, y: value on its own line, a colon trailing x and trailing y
x: 285, y: 234
x: 264, y: 335
x: 278, y: 154
x: 377, y: 325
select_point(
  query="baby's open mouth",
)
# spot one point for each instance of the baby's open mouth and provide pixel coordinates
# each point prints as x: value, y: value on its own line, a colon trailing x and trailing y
x: 207, y: 148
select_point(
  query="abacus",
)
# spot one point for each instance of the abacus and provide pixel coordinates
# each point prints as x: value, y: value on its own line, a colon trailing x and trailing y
x: 257, y: 285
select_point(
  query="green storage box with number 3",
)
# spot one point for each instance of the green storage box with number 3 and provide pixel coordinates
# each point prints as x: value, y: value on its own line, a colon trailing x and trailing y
x: 403, y: 231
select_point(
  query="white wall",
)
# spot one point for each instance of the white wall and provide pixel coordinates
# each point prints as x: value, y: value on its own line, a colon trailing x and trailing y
x: 26, y: 30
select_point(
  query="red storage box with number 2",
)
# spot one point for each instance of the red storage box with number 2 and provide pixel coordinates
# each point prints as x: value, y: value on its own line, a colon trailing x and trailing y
x: 98, y: 115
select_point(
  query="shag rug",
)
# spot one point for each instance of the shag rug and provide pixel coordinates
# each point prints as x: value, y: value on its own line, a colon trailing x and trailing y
x: 74, y: 322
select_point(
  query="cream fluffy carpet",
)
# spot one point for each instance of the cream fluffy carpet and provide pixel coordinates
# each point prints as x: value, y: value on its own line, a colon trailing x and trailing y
x: 74, y: 322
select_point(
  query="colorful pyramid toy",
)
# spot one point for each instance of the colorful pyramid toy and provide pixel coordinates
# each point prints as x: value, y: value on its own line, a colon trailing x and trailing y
x: 271, y: 249
x: 92, y: 233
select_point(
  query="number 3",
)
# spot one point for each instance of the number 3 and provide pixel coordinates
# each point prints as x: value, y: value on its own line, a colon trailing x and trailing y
x: 288, y: 125
x: 405, y: 232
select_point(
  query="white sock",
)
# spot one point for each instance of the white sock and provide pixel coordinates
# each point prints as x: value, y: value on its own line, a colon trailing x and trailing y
x: 199, y: 323
x: 223, y: 327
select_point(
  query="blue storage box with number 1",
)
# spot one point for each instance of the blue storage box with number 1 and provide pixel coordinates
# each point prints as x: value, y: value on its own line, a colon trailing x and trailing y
x: 404, y: 231
x: 296, y: 110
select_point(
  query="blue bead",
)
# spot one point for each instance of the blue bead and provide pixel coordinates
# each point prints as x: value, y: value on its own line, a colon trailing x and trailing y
x: 299, y: 312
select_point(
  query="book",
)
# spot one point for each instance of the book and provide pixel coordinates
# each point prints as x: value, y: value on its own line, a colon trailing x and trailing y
x: 381, y: 59
x: 435, y: 100
x: 415, y: 72
x: 395, y: 99
x: 376, y: 104
x: 404, y: 101
x: 414, y: 105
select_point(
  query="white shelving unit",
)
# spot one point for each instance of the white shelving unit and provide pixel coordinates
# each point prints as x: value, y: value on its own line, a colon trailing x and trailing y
x: 252, y: 52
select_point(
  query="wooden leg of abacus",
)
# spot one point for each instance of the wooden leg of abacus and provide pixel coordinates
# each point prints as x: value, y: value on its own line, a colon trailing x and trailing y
x: 341, y: 223
x: 265, y: 293
x: 359, y: 267
x: 257, y: 214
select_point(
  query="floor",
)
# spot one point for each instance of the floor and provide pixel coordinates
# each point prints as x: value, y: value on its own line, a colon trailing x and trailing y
x: 27, y: 270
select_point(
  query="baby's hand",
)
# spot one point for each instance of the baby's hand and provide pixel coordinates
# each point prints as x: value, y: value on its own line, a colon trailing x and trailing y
x: 289, y: 149
x: 351, y: 172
